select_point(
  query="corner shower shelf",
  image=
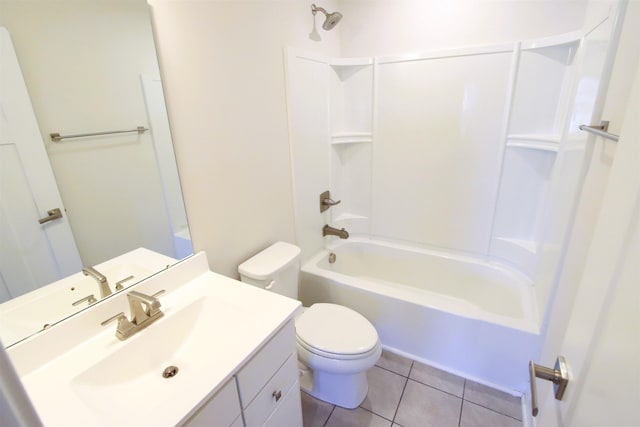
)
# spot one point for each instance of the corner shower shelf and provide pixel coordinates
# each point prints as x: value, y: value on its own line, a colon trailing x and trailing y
x: 544, y: 142
x: 544, y: 146
x: 350, y: 62
x: 351, y: 138
x: 527, y: 245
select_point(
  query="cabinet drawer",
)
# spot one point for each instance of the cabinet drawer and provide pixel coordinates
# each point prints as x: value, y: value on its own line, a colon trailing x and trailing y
x: 221, y: 410
x: 289, y: 412
x: 272, y: 395
x: 257, y: 372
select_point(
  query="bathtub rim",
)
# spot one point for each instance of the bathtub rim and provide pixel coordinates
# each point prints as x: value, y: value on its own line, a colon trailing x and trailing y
x: 529, y: 322
x: 467, y: 257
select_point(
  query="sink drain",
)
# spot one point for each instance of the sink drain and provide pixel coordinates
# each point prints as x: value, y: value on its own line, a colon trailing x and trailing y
x: 170, y: 372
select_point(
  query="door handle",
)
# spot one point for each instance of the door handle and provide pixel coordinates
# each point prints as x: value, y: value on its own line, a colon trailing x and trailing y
x: 559, y: 376
x: 51, y: 215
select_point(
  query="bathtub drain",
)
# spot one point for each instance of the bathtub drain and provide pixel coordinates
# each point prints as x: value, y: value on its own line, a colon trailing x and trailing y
x: 332, y: 258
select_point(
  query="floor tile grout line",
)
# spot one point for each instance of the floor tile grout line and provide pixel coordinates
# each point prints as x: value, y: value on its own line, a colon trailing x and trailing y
x: 492, y: 410
x: 464, y: 387
x: 329, y: 417
x: 374, y: 413
x: 394, y: 372
x: 435, y: 388
x: 395, y: 414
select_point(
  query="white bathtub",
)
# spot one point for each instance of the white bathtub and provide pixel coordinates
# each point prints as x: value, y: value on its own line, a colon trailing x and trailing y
x: 470, y: 317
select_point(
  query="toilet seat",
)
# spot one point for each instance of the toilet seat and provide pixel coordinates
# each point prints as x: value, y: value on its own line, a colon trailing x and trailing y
x: 336, y: 356
x: 336, y: 332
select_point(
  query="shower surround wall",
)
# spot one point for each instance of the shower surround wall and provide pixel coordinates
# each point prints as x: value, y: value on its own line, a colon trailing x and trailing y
x: 451, y: 150
x: 473, y: 152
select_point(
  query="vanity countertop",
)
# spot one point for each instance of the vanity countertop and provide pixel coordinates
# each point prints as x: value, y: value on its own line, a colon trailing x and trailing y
x: 79, y: 373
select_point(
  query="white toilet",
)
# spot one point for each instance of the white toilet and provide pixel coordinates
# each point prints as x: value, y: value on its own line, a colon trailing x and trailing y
x: 335, y: 344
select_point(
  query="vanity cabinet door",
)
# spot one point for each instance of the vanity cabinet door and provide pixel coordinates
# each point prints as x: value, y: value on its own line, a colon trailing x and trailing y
x: 272, y: 394
x: 263, y: 365
x: 222, y: 410
x: 267, y: 379
x: 288, y: 412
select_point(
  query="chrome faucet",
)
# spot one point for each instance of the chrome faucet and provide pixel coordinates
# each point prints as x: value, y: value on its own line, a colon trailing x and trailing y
x: 330, y: 231
x: 105, y: 291
x: 145, y: 309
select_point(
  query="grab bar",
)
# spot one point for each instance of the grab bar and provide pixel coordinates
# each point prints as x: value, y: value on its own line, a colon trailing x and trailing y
x: 56, y: 137
x: 600, y: 130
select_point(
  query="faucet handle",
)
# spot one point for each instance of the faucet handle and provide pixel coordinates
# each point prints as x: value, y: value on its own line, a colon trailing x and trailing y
x: 326, y: 201
x: 112, y: 318
x: 125, y: 328
x: 90, y: 299
x: 160, y: 292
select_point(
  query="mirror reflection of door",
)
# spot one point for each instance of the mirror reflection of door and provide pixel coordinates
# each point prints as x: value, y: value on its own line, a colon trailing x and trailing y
x: 31, y: 254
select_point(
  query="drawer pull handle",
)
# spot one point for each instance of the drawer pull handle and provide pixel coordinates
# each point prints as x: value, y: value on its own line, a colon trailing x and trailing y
x: 277, y: 395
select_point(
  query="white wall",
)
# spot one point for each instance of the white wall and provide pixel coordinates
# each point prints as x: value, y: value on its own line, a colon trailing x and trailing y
x: 82, y: 63
x: 222, y: 64
x: 384, y: 27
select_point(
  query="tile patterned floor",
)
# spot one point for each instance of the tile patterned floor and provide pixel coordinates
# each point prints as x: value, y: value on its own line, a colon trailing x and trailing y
x: 406, y: 393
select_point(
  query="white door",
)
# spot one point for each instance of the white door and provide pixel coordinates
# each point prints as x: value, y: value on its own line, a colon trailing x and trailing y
x: 602, y: 341
x: 31, y: 254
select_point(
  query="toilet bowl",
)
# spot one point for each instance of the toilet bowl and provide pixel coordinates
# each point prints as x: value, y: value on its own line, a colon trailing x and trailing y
x: 338, y: 345
x: 335, y: 344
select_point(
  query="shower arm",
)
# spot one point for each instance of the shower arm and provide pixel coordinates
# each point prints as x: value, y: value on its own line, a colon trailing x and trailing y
x: 315, y: 9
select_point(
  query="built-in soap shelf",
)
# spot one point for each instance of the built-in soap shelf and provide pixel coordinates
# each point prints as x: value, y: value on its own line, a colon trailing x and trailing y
x: 525, y: 245
x: 350, y: 62
x: 341, y: 138
x: 544, y: 142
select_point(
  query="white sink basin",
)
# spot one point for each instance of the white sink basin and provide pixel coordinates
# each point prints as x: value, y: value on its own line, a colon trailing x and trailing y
x: 193, y: 339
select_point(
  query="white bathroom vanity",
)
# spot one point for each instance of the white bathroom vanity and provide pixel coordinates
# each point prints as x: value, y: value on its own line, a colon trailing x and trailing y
x: 222, y: 354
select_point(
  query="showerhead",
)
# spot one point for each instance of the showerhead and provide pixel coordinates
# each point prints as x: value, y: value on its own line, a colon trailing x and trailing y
x: 331, y: 19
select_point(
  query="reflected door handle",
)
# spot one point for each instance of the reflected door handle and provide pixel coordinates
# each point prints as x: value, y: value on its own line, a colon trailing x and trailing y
x: 51, y: 215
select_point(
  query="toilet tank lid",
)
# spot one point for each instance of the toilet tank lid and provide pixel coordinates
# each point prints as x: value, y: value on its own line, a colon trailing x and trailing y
x: 270, y: 261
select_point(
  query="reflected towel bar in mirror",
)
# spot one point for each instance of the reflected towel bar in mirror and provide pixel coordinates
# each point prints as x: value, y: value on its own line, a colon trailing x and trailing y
x: 56, y: 137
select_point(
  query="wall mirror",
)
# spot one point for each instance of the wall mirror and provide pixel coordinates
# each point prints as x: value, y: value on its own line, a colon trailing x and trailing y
x: 87, y: 66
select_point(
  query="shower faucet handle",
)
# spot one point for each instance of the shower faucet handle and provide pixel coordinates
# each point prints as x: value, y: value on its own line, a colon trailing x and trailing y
x: 326, y: 201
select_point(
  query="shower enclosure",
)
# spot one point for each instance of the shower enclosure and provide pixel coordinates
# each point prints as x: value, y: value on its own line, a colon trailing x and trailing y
x: 472, y: 153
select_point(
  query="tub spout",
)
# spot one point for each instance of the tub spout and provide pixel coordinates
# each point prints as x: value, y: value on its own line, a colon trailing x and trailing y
x: 330, y: 231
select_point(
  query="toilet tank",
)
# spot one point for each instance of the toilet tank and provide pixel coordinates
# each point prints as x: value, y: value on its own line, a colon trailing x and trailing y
x: 275, y: 269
